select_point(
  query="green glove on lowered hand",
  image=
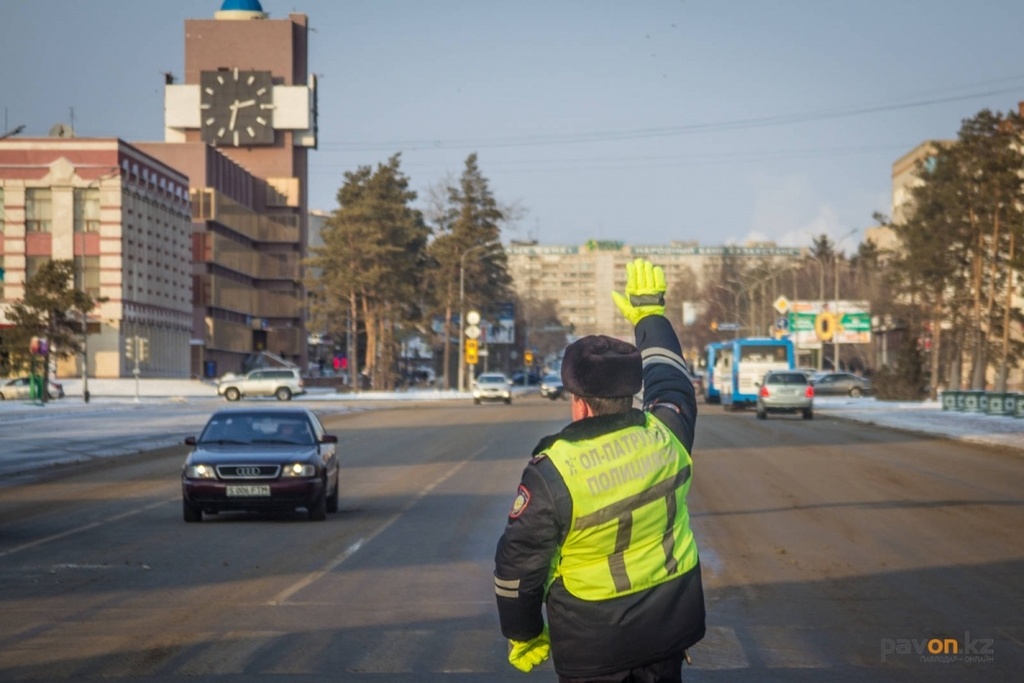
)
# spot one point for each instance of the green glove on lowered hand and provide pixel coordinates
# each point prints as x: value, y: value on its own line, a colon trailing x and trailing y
x: 524, y: 655
x: 645, y: 291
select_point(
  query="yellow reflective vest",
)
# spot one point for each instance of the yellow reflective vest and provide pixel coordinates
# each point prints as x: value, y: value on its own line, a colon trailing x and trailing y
x: 630, y: 525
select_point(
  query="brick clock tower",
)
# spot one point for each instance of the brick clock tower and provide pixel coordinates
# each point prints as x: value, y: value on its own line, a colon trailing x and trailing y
x: 248, y: 94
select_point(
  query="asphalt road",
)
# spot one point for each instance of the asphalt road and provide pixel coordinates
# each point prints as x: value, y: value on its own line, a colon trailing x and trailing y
x: 825, y: 545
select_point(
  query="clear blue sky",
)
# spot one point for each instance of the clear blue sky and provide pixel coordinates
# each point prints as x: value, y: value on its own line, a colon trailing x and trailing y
x: 710, y: 120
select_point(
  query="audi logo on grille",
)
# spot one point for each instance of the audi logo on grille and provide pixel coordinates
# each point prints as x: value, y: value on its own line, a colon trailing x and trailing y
x: 248, y: 471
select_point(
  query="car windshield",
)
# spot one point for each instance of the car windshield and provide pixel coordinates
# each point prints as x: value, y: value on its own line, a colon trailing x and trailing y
x: 491, y: 379
x: 257, y: 429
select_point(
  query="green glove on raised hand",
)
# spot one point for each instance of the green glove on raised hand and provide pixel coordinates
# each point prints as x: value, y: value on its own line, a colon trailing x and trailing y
x: 645, y: 291
x: 524, y: 655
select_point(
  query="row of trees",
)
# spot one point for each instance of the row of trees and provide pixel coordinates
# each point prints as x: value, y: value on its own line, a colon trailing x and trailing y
x: 387, y: 269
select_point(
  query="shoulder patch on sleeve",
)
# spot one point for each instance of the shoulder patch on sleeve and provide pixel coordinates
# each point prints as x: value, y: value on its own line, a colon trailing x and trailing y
x: 520, y: 503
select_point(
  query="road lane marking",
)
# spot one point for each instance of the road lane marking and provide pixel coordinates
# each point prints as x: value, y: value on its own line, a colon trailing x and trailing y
x: 81, y: 529
x: 282, y: 597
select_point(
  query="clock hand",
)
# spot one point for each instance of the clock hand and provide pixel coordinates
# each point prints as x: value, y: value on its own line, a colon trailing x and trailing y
x: 234, y: 107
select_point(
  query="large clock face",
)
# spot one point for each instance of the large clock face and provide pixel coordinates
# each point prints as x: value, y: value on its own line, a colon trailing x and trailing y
x: 237, y: 107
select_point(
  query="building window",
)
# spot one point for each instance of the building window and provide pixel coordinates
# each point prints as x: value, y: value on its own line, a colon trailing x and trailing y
x: 87, y: 209
x: 2, y: 215
x: 87, y: 275
x: 38, y: 209
x: 33, y: 264
x: 2, y: 268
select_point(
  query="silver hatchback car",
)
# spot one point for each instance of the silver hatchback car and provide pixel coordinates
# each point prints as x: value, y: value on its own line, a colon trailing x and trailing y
x: 785, y: 391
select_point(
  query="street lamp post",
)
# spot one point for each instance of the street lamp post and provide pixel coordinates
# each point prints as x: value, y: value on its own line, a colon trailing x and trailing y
x: 751, y: 287
x: 94, y: 185
x: 85, y: 322
x: 835, y: 311
x: 738, y: 318
x: 462, y: 311
x: 821, y: 297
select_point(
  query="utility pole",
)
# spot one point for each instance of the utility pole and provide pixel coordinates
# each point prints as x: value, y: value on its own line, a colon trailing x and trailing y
x: 85, y: 325
x: 836, y: 317
x: 462, y: 308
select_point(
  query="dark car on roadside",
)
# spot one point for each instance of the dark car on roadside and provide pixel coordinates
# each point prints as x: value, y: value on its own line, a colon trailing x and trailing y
x: 261, y: 460
x: 532, y: 379
x: 785, y: 391
x: 551, y: 387
x: 841, y: 384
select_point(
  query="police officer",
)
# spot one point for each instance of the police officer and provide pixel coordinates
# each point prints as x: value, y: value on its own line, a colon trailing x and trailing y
x: 599, y: 531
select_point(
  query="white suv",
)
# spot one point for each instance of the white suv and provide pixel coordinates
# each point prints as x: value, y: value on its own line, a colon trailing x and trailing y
x: 281, y: 383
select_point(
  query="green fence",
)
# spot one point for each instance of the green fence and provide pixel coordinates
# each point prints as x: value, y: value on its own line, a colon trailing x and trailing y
x: 1006, y: 404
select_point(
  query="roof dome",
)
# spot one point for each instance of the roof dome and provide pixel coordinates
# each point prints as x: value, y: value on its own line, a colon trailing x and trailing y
x: 241, y: 9
x: 245, y: 5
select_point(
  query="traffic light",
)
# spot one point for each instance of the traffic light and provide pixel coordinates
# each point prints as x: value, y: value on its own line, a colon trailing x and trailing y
x: 143, y: 349
x: 472, y: 351
x: 528, y: 357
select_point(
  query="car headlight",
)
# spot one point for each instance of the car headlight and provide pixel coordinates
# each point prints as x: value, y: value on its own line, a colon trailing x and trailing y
x: 299, y: 469
x: 200, y: 472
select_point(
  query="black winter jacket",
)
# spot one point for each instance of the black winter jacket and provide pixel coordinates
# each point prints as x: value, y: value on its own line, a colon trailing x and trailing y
x: 592, y: 638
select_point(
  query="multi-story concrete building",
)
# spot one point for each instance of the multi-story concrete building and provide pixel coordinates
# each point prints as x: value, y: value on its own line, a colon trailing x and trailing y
x: 579, y: 278
x: 246, y: 92
x: 904, y: 180
x: 245, y: 268
x: 123, y: 217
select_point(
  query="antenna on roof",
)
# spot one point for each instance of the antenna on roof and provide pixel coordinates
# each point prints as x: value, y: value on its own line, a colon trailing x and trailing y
x: 11, y: 133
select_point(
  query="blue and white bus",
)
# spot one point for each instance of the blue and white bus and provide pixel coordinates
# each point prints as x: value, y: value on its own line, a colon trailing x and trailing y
x: 712, y: 355
x: 742, y: 363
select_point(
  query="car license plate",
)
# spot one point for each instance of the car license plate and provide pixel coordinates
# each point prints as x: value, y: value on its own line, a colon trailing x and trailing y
x: 248, y: 491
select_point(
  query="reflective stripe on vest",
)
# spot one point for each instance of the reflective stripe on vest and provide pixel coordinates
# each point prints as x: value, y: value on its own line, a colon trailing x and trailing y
x: 630, y: 527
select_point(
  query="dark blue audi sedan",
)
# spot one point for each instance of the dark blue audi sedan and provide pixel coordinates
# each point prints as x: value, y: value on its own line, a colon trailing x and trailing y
x: 261, y: 460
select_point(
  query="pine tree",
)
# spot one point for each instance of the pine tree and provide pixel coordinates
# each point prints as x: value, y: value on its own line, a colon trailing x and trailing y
x: 364, y: 280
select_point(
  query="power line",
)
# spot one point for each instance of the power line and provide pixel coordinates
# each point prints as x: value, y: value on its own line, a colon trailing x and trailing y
x: 658, y: 161
x: 657, y: 132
